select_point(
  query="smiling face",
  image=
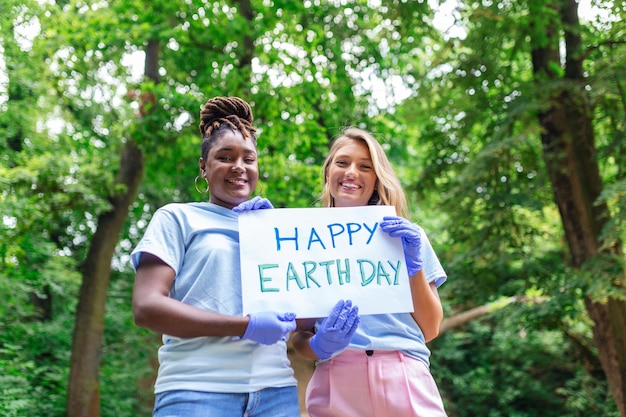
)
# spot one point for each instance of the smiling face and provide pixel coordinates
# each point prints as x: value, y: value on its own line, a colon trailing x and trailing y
x: 231, y: 168
x: 350, y: 176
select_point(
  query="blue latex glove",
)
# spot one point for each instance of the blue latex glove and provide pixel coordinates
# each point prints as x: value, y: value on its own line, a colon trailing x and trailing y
x: 411, y: 240
x: 268, y: 327
x: 336, y: 331
x: 257, y: 203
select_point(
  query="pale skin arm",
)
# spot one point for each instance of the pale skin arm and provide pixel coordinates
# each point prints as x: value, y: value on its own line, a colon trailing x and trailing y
x: 156, y: 311
x: 428, y: 312
x: 300, y: 338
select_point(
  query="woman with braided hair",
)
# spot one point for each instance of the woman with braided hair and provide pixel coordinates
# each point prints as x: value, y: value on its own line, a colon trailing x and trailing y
x: 214, y: 361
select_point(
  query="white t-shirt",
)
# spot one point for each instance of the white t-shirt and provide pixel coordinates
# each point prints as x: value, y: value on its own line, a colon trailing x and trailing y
x: 399, y: 331
x: 200, y: 241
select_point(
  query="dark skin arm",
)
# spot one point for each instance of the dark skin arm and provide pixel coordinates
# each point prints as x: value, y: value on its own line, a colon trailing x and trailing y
x: 156, y: 311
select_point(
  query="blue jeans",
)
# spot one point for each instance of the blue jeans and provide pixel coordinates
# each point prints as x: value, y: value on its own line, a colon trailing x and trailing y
x: 269, y: 402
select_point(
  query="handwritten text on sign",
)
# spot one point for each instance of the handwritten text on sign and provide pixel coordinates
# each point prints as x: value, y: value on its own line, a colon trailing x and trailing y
x: 304, y: 260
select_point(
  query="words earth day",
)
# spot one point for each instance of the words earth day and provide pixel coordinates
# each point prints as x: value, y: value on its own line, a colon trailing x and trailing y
x: 334, y: 271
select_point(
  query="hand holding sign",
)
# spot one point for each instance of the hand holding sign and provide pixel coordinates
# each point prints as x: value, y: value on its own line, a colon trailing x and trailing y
x: 411, y: 240
x: 336, y: 330
x: 268, y: 327
x: 257, y: 203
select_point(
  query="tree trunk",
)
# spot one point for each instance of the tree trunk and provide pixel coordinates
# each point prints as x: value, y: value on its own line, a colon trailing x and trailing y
x: 83, y: 397
x: 84, y: 390
x: 466, y: 316
x: 570, y: 157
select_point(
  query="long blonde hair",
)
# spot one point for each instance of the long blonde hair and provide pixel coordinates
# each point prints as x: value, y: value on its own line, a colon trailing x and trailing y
x: 388, y: 191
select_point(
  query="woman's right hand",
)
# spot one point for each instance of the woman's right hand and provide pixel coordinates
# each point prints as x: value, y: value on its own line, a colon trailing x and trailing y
x: 336, y: 331
x: 268, y: 327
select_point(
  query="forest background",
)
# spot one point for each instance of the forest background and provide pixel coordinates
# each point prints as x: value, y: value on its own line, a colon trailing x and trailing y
x: 505, y: 122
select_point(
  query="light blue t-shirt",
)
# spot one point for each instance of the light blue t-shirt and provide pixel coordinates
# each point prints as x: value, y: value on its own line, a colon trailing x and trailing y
x: 399, y: 331
x: 200, y: 242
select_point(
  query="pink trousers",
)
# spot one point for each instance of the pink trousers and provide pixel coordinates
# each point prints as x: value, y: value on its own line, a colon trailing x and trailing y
x: 385, y: 384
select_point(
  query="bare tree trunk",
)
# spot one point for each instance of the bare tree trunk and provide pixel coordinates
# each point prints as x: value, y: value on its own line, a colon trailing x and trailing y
x: 570, y: 157
x: 609, y: 334
x: 466, y: 316
x: 84, y: 390
x: 474, y: 313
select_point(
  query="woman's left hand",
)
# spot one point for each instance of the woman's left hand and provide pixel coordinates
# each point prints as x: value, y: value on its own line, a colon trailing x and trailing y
x: 257, y: 203
x: 411, y: 240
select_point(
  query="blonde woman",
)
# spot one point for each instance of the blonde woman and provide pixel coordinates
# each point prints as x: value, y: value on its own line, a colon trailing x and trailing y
x: 381, y: 368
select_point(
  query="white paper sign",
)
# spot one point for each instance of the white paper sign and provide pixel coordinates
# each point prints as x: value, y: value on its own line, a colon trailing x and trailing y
x: 305, y: 260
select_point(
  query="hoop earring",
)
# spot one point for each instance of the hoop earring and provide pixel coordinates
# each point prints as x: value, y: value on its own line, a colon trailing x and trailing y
x: 195, y: 183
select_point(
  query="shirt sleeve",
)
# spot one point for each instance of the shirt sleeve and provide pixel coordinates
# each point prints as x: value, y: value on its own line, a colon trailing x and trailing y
x: 432, y: 267
x: 163, y: 239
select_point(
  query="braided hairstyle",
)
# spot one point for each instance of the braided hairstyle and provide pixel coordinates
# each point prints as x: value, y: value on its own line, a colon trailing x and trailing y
x: 220, y: 113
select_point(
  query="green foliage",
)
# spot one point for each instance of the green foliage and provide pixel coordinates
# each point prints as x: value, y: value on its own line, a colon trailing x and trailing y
x: 34, y: 359
x: 499, y: 367
x: 15, y: 395
x: 127, y: 370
